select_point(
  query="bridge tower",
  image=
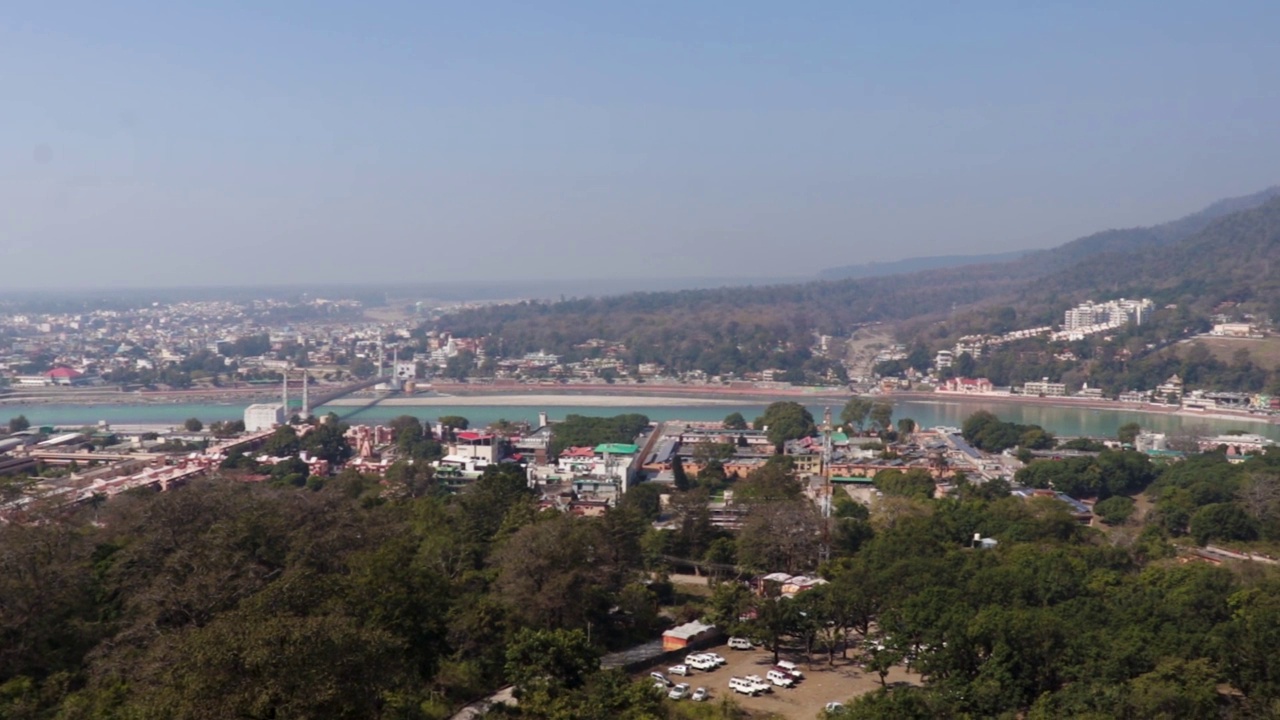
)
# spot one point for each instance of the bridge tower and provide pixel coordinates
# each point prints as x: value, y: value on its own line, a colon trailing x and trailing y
x: 825, y: 496
x: 306, y: 402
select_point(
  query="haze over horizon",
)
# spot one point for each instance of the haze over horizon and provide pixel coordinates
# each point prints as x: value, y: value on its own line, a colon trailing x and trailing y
x: 149, y: 143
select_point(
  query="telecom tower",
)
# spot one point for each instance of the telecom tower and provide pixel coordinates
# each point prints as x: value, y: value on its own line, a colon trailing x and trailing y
x: 824, y: 550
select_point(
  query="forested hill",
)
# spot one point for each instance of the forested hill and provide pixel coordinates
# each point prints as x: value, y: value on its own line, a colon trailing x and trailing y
x: 917, y: 264
x: 1230, y: 259
x: 742, y: 328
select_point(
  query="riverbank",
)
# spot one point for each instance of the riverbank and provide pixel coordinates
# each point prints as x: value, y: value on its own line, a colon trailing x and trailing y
x: 1063, y: 402
x: 636, y: 390
x: 549, y: 400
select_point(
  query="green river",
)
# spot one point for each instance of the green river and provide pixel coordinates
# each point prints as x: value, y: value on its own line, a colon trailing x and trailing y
x: 1064, y: 421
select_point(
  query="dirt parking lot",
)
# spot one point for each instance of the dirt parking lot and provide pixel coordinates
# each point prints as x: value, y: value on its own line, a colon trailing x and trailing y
x: 822, y: 682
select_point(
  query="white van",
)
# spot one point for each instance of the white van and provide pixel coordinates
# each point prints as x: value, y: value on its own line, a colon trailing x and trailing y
x: 791, y: 668
x: 737, y: 643
x: 701, y: 662
x: 761, y: 685
x: 744, y: 686
x: 779, y: 678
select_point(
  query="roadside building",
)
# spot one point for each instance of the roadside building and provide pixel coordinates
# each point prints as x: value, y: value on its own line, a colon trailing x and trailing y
x: 1044, y: 388
x: 263, y: 417
x: 688, y: 635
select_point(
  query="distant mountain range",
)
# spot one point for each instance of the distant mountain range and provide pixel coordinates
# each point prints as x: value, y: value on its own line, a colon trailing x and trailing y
x: 1230, y: 258
x: 1043, y: 262
x: 917, y: 264
x: 1225, y: 251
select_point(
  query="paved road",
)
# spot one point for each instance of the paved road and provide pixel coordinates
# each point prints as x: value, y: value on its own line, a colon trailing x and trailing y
x: 505, y: 696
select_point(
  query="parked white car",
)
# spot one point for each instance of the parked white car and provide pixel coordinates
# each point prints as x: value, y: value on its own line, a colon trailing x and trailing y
x: 763, y: 686
x: 737, y: 643
x: 678, y: 692
x: 679, y: 670
x: 717, y: 658
x: 699, y: 695
x: 788, y: 673
x: 780, y: 678
x: 701, y: 662
x: 791, y: 668
x: 659, y: 677
x: 834, y: 706
x: 744, y: 686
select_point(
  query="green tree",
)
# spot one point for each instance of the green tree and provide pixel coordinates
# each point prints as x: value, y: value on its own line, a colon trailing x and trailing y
x: 545, y: 663
x: 541, y: 570
x: 855, y: 412
x: 193, y: 425
x: 282, y: 443
x: 735, y: 421
x: 1222, y: 521
x: 645, y: 499
x: 454, y: 422
x: 1248, y: 642
x: 1176, y: 689
x: 914, y: 483
x: 882, y: 416
x: 679, y: 476
x: 1115, y: 510
x: 19, y: 423
x: 1128, y: 433
x: 906, y: 426
x: 786, y: 420
x: 460, y: 366
x: 363, y: 368
x: 327, y: 441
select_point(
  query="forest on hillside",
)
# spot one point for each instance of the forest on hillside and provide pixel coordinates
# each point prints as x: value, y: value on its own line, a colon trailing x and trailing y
x: 1197, y: 262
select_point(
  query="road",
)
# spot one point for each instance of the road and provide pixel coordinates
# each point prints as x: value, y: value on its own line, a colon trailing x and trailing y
x: 477, y: 709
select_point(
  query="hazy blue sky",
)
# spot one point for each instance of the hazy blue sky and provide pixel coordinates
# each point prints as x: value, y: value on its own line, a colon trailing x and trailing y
x: 180, y: 143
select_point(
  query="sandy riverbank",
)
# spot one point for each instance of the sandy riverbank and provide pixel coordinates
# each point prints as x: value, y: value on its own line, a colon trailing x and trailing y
x: 942, y: 398
x: 547, y: 400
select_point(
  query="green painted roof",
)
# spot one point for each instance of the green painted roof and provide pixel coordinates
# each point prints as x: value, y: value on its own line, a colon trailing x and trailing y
x: 617, y: 449
x: 855, y: 480
x: 839, y: 437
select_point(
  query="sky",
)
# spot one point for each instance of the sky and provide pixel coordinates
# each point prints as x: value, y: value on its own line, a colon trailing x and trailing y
x: 270, y: 142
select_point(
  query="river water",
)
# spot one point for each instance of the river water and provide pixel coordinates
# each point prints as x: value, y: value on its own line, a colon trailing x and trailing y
x: 1065, y: 421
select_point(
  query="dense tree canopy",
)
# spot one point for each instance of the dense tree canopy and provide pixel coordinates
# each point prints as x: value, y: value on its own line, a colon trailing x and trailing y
x: 584, y: 430
x: 786, y: 420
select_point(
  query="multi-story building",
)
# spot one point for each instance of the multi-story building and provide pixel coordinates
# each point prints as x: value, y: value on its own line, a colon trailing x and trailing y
x: 1114, y: 312
x: 1044, y: 388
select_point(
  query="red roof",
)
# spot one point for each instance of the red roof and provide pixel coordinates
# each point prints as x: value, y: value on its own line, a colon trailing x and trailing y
x: 472, y: 436
x: 62, y: 372
x: 579, y: 452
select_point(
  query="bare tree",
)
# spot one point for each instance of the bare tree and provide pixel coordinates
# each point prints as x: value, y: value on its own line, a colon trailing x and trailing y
x: 1260, y: 494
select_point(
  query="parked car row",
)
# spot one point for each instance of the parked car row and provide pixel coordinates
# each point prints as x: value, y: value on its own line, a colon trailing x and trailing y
x: 705, y: 662
x: 681, y: 691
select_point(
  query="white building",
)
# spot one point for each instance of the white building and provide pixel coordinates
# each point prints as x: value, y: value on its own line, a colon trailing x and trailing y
x: 1044, y: 388
x: 406, y: 370
x: 943, y: 359
x: 1233, y: 329
x: 1113, y: 313
x: 263, y: 417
